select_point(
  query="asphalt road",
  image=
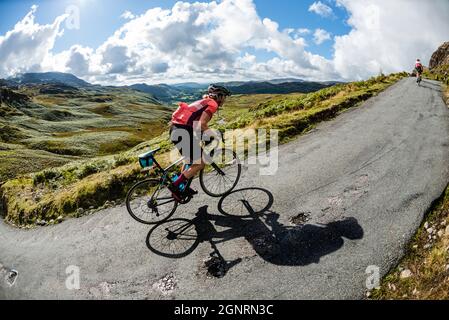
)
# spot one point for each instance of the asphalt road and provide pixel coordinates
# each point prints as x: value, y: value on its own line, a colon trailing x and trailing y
x: 347, y: 196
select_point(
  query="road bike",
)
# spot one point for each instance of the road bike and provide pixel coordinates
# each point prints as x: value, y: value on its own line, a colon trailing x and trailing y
x: 151, y: 201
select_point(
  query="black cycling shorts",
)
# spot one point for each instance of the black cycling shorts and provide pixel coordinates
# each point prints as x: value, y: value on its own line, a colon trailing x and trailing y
x: 188, y: 144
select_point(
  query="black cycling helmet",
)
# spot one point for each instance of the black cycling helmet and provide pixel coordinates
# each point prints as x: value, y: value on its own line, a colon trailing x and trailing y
x: 218, y: 90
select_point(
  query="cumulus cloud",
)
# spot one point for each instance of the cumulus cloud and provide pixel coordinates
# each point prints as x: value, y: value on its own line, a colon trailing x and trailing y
x: 26, y: 47
x: 127, y: 15
x: 321, y: 9
x: 194, y: 41
x: 389, y: 35
x: 215, y: 41
x: 321, y: 36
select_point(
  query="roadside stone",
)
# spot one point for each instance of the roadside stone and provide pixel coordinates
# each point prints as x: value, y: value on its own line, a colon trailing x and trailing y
x: 440, y: 233
x: 80, y: 211
x: 406, y: 274
x: 427, y: 246
x: 426, y: 225
x: 446, y: 231
x: 51, y: 221
x: 91, y: 207
x: 430, y: 230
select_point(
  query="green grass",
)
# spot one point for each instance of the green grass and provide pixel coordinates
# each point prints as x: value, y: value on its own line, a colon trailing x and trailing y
x: 61, y: 191
x: 86, y: 123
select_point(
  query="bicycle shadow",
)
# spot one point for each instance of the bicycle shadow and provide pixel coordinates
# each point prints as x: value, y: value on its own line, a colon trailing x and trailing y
x: 246, y: 213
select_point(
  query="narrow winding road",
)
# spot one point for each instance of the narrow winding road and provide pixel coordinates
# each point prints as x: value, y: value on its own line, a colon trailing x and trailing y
x: 347, y: 196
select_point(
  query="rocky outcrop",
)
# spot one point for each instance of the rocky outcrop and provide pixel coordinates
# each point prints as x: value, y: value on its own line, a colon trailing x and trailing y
x: 440, y: 57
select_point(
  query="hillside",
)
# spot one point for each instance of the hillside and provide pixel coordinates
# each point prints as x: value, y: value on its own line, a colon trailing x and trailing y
x: 59, y: 123
x: 440, y: 57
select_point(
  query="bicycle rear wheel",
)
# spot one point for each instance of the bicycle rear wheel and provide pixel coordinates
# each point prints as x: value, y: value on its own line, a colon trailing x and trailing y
x: 222, y: 175
x: 150, y: 202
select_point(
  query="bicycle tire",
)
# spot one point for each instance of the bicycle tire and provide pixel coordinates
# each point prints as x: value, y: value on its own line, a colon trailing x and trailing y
x: 191, y: 237
x: 133, y: 190
x: 204, y: 173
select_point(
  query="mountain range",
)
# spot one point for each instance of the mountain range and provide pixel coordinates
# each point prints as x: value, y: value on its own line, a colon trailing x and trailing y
x: 173, y: 93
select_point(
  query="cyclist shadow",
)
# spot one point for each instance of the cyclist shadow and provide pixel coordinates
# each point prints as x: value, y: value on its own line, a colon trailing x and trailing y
x: 246, y: 213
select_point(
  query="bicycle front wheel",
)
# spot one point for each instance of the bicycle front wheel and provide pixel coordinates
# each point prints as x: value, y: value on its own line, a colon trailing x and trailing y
x: 150, y: 202
x: 222, y: 174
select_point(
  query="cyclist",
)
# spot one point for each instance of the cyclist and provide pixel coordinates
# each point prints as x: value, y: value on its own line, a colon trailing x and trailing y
x: 419, y: 69
x: 187, y: 121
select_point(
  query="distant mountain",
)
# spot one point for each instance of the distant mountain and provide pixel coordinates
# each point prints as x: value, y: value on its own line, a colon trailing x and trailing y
x: 271, y: 88
x: 161, y: 92
x: 190, y: 86
x: 49, y: 77
x: 284, y: 80
x: 171, y: 93
x: 58, y: 82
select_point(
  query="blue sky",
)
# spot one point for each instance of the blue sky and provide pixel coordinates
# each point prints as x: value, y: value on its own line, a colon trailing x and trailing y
x: 100, y: 18
x: 169, y: 41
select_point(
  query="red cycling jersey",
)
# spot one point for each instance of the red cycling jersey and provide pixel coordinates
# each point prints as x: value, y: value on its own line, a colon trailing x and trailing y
x: 187, y: 114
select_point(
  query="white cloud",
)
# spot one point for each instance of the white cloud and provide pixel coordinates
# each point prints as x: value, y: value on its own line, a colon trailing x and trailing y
x: 27, y: 45
x: 127, y: 15
x: 214, y: 42
x: 192, y: 42
x: 321, y: 36
x: 389, y: 35
x: 304, y: 31
x: 321, y: 9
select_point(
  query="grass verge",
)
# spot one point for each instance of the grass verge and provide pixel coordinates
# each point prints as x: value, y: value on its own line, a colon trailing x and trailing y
x: 56, y: 192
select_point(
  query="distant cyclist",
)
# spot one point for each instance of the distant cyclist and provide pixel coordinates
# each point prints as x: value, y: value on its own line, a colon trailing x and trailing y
x: 188, y: 120
x: 419, y: 70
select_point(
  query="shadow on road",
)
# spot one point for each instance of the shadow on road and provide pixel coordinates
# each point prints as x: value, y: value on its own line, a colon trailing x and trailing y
x: 246, y: 213
x: 431, y: 86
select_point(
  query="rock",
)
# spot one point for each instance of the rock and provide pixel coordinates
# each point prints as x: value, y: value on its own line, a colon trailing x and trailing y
x: 446, y: 231
x: 430, y: 230
x: 447, y: 267
x: 440, y: 57
x: 426, y: 225
x: 51, y: 221
x: 415, y: 246
x: 60, y: 218
x: 440, y: 233
x: 427, y: 246
x: 80, y: 211
x: 406, y: 274
x: 91, y: 207
x: 368, y: 294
